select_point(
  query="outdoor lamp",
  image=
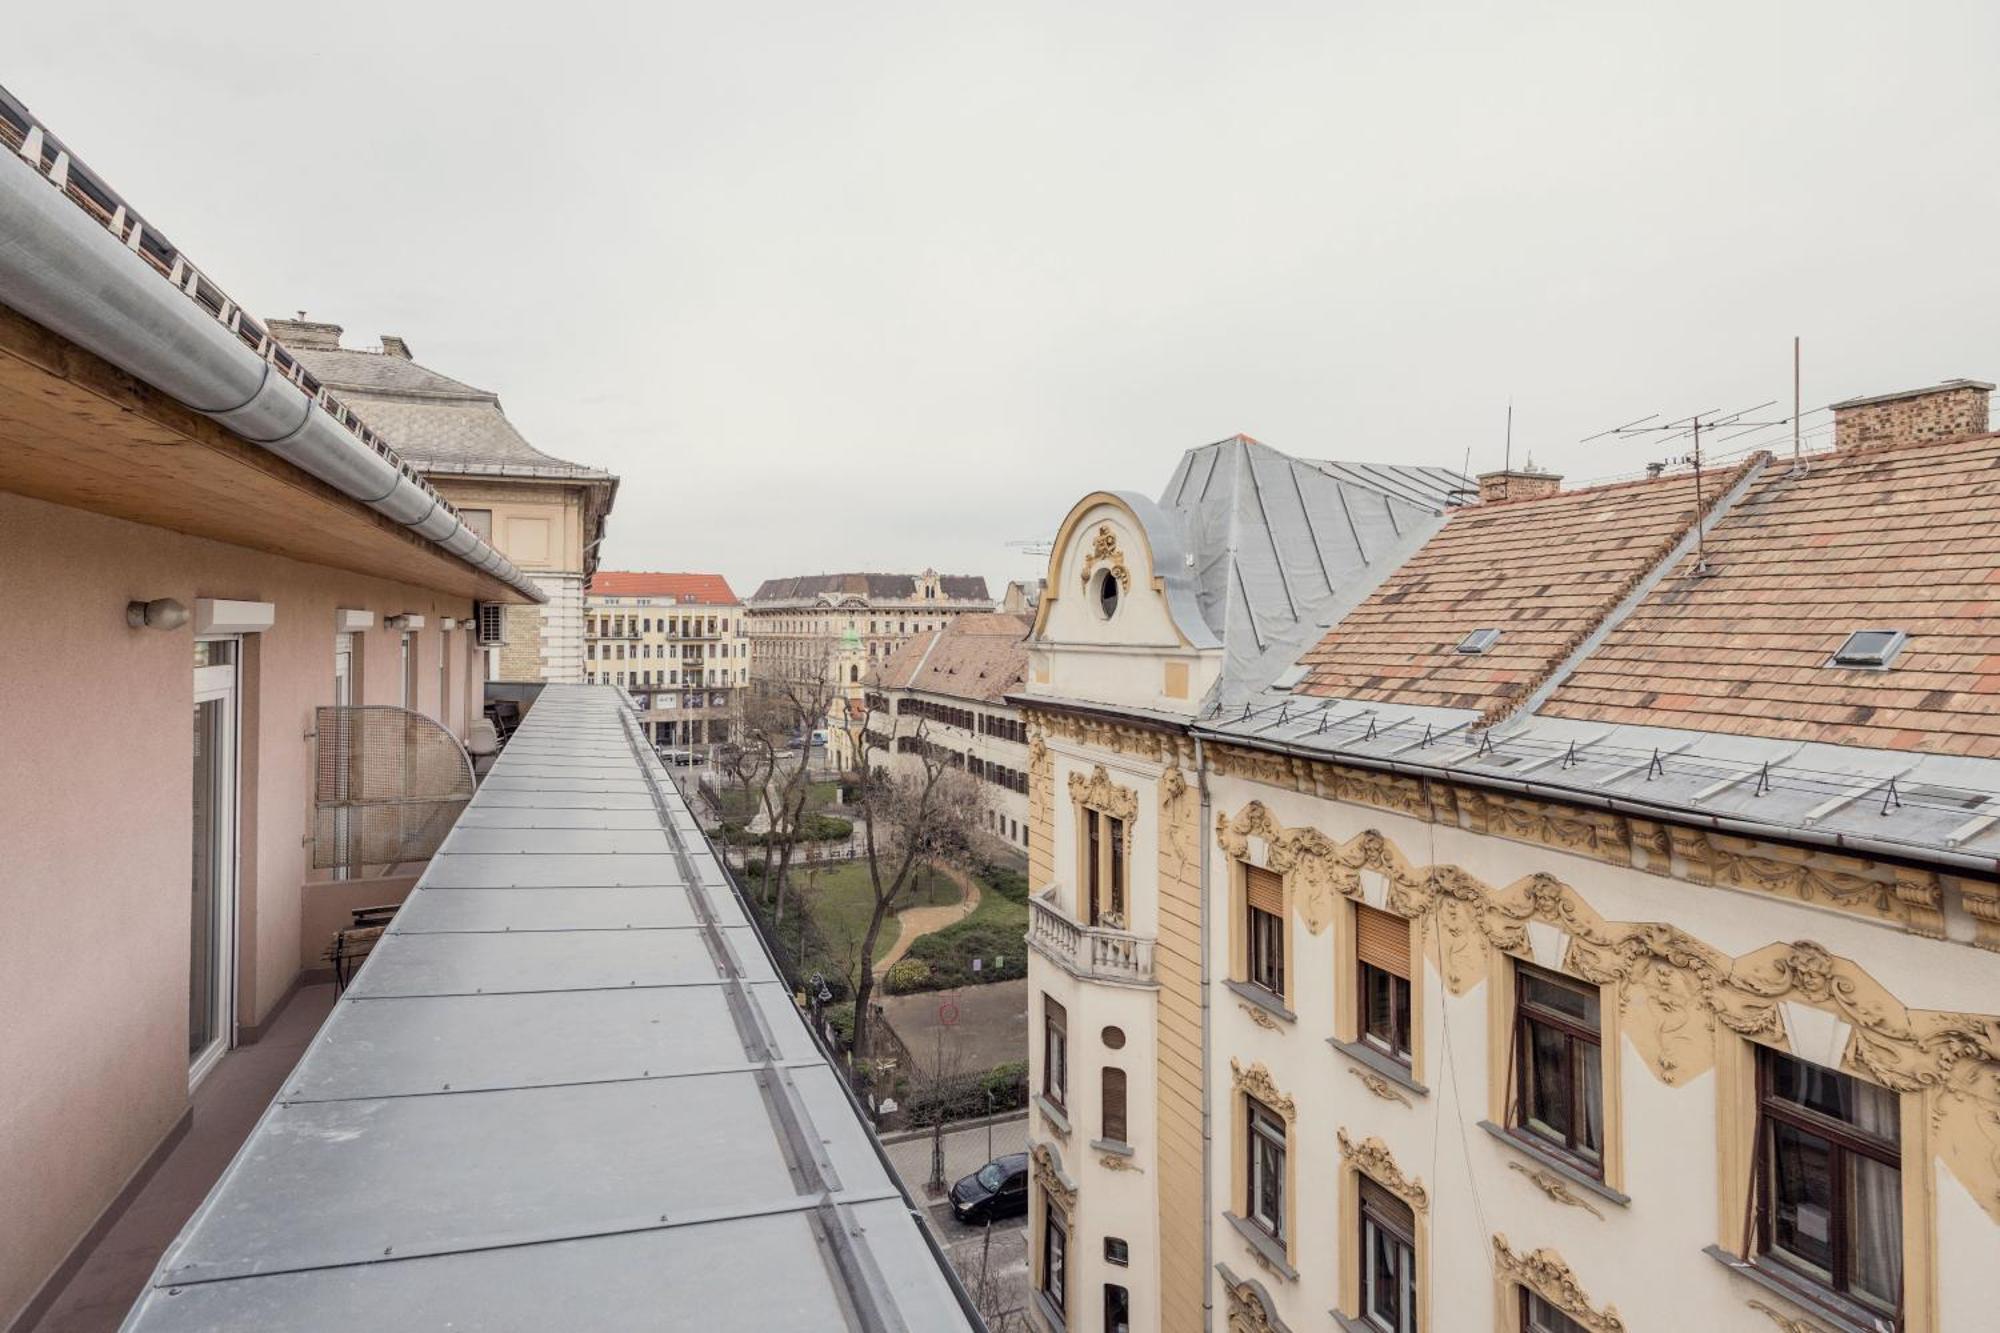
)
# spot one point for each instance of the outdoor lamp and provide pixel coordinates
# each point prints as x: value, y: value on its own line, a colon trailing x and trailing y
x: 160, y: 613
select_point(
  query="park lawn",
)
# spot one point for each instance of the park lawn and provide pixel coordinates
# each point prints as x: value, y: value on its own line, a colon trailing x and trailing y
x: 739, y: 805
x: 841, y: 901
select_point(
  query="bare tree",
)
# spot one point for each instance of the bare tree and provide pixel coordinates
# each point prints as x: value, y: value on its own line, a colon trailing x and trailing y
x: 920, y: 814
x: 788, y: 704
x: 937, y: 1086
x: 999, y: 1301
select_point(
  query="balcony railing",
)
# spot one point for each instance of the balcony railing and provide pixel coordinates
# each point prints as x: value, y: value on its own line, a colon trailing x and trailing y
x: 1095, y: 953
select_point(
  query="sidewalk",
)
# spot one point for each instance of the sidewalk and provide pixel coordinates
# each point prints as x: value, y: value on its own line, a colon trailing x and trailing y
x: 991, y: 1026
x: 919, y: 921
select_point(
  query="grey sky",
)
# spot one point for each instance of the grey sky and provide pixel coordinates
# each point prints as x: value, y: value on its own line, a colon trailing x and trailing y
x: 882, y: 286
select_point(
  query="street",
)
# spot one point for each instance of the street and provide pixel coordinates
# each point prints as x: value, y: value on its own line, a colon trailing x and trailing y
x: 965, y: 1151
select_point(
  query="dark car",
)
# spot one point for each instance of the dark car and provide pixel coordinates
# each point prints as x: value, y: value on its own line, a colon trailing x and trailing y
x: 998, y: 1189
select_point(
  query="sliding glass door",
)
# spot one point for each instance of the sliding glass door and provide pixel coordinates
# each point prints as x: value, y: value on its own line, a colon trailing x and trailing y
x: 212, y: 901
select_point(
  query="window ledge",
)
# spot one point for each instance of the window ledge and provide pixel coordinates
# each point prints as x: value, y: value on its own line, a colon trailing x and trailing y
x: 1582, y: 1179
x: 1053, y: 1114
x: 1347, y: 1325
x: 1839, y: 1320
x: 1392, y: 1069
x: 1112, y: 1146
x: 1263, y: 999
x: 1267, y: 1247
x: 1052, y: 1318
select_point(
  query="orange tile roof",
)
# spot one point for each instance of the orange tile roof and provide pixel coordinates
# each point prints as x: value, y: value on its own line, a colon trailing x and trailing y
x: 977, y: 656
x: 1902, y: 538
x: 1542, y: 571
x: 703, y: 589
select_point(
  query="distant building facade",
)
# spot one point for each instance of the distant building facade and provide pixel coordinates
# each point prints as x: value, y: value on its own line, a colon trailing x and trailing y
x: 946, y: 690
x: 679, y: 644
x: 546, y: 514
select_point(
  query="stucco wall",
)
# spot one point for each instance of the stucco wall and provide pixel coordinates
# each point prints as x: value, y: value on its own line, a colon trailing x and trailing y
x: 94, y: 820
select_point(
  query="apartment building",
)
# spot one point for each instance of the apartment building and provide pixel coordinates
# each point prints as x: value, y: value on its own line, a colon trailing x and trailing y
x: 190, y: 592
x: 680, y: 646
x: 946, y: 691
x: 846, y: 624
x: 1566, y: 910
x: 546, y: 514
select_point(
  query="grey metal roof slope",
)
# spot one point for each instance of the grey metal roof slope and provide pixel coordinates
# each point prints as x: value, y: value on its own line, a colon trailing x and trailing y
x: 568, y: 1090
x: 1283, y: 547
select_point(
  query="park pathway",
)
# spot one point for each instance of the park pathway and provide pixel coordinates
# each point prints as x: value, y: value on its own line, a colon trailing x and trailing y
x: 919, y: 921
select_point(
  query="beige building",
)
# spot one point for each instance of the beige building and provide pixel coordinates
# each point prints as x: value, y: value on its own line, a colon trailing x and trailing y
x: 846, y: 625
x: 946, y: 690
x: 544, y: 513
x: 185, y: 591
x: 679, y: 644
x: 1573, y: 910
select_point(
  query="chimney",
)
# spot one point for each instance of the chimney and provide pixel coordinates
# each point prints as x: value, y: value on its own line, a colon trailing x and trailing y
x: 395, y: 346
x: 302, y: 333
x: 1517, y: 484
x: 1953, y: 410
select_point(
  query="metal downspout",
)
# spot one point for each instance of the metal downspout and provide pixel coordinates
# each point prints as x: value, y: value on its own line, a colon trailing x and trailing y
x: 1207, y: 1125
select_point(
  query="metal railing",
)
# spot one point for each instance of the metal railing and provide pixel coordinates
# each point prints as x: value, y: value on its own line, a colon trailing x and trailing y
x: 1096, y: 953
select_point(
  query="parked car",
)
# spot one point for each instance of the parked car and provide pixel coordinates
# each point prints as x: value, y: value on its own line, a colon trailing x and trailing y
x: 998, y: 1189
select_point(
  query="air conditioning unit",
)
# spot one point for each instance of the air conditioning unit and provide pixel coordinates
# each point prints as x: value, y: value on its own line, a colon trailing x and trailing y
x: 489, y: 617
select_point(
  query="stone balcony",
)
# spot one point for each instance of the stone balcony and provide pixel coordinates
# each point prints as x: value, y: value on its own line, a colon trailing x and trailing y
x: 1093, y: 953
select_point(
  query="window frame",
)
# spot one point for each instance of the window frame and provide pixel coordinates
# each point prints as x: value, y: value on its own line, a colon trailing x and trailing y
x: 1265, y: 973
x: 1055, y: 1053
x: 1400, y: 1045
x: 1374, y: 1217
x: 1530, y: 1298
x: 1268, y: 1145
x: 1527, y: 1014
x: 1055, y: 1255
x: 1113, y: 1077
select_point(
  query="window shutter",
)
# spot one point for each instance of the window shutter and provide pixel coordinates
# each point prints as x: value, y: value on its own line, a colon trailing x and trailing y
x: 1114, y: 1105
x: 1383, y: 940
x: 1266, y: 890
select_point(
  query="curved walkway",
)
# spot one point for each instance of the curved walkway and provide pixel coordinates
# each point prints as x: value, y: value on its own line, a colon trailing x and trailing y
x: 915, y: 922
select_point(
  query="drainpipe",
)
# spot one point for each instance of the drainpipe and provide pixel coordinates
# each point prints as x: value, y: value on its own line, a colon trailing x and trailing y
x: 1207, y: 1125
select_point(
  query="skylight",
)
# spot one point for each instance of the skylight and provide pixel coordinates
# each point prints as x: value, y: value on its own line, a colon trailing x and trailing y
x: 1479, y: 640
x: 1870, y: 648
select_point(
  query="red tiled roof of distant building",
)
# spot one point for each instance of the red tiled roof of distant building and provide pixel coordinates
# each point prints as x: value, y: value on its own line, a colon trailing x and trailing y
x: 977, y: 656
x: 1542, y: 571
x: 1905, y: 537
x: 701, y: 589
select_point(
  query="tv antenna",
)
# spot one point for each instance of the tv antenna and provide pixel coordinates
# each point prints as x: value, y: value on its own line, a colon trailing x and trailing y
x: 1690, y: 428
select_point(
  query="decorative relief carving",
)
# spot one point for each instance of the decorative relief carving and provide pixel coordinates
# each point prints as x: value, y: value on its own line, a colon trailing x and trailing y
x: 1378, y: 1085
x: 1104, y: 550
x: 1256, y: 1082
x: 1784, y: 1321
x: 1982, y: 903
x: 1258, y: 1015
x: 1099, y: 792
x: 1372, y: 1158
x: 1173, y: 785
x: 1544, y: 1273
x: 1111, y: 1161
x: 1250, y: 1308
x: 1049, y: 1175
x: 1553, y: 1185
x: 1676, y: 994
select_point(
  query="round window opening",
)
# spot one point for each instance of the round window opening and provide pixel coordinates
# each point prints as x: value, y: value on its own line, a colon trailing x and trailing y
x: 1114, y: 1038
x: 1107, y: 594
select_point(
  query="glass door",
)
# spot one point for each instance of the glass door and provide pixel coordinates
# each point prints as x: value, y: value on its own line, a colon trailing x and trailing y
x: 343, y: 695
x: 212, y: 900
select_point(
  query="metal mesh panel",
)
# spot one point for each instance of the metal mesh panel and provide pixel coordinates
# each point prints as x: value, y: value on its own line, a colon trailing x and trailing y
x: 388, y: 786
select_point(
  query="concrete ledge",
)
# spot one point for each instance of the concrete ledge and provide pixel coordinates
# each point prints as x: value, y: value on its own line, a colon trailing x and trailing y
x: 1555, y: 1163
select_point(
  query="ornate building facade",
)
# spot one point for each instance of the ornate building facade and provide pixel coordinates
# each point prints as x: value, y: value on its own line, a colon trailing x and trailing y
x: 679, y: 644
x: 1568, y: 910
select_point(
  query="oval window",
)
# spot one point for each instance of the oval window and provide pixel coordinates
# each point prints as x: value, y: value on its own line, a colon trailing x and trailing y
x: 1114, y: 1038
x: 1107, y: 594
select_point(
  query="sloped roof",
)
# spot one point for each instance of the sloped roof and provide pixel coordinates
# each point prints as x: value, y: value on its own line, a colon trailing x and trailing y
x: 707, y: 589
x: 1283, y: 546
x: 874, y: 587
x: 982, y: 656
x: 1544, y: 572
x: 1906, y: 537
x: 438, y: 423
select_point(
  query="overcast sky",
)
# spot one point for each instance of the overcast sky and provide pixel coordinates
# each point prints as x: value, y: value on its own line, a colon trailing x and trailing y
x: 839, y: 286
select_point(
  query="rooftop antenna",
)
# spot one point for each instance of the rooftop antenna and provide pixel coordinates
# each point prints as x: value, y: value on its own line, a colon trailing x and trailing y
x: 1798, y: 456
x: 1510, y: 435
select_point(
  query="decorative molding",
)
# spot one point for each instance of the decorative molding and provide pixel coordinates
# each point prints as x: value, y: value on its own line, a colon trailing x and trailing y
x: 1173, y: 785
x: 1099, y: 792
x: 1373, y: 1159
x: 1784, y: 1321
x: 1111, y: 1161
x: 1056, y: 1187
x: 1256, y: 1082
x: 1104, y: 550
x: 1982, y: 904
x: 1258, y: 1015
x: 1553, y: 1185
x: 1378, y: 1085
x: 1250, y: 1306
x: 1544, y: 1273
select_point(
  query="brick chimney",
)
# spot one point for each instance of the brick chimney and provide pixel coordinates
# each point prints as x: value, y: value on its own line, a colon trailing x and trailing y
x: 1953, y: 410
x: 304, y: 333
x: 395, y: 346
x: 1526, y: 483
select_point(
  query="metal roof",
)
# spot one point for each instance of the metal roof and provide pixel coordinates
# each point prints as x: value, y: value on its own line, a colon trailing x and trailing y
x: 568, y: 1090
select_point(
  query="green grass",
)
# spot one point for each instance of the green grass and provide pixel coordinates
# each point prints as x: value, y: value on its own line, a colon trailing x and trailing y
x: 740, y: 805
x: 841, y: 901
x: 994, y: 930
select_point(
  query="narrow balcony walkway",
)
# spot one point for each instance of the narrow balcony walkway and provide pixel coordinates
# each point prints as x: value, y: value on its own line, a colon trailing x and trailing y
x: 568, y: 1090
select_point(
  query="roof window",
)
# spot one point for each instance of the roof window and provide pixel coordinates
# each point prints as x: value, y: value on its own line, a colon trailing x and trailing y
x: 1870, y: 648
x: 1479, y: 640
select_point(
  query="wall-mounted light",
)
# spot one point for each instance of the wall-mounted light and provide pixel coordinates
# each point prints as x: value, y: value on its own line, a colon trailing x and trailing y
x: 160, y: 613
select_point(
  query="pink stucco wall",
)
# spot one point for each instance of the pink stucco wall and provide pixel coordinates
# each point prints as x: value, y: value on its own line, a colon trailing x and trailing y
x: 95, y: 777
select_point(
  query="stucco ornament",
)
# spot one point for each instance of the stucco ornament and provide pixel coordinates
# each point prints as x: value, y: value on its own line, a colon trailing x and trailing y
x: 1111, y: 1161
x: 1255, y: 1081
x: 1784, y: 1321
x: 1544, y: 1273
x: 1250, y: 1309
x: 1258, y: 1015
x: 1104, y: 550
x: 1553, y: 1185
x: 1677, y: 996
x: 1049, y: 1176
x: 1378, y: 1085
x: 1373, y: 1159
x: 1099, y: 792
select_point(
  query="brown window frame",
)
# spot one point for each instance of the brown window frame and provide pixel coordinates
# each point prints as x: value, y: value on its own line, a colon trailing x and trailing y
x: 1562, y: 1323
x: 1264, y: 965
x: 1265, y: 1131
x: 1397, y: 1042
x: 1390, y: 1216
x: 1115, y: 1126
x: 1055, y: 1254
x: 1529, y: 1014
x: 1833, y: 1293
x: 1055, y: 1052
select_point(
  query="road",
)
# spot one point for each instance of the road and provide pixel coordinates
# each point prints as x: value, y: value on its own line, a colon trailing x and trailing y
x: 965, y: 1151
